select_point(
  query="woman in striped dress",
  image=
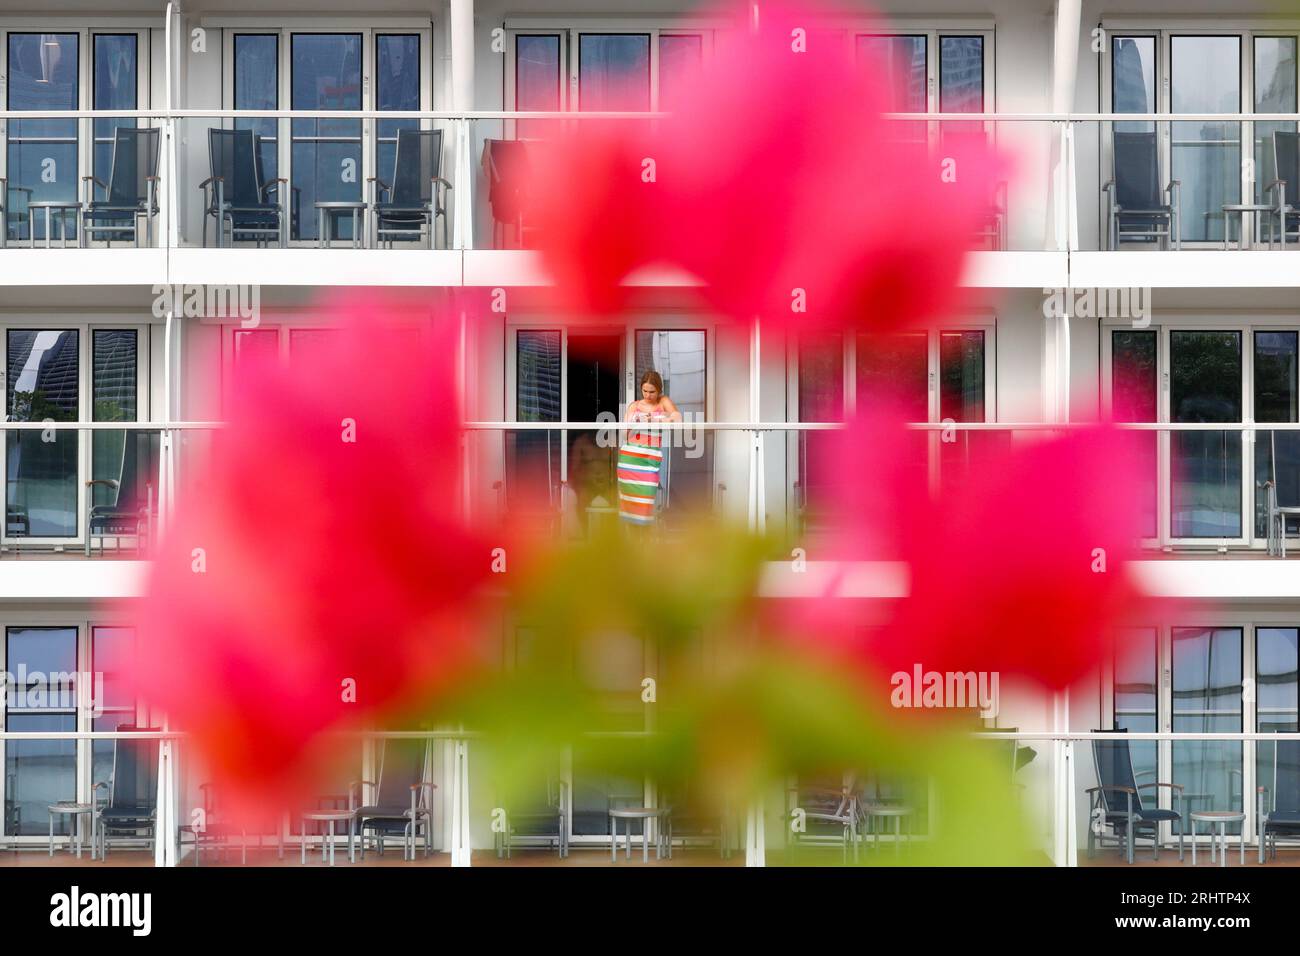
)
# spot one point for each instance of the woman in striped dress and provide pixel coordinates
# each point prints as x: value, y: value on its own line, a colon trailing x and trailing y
x: 641, y: 456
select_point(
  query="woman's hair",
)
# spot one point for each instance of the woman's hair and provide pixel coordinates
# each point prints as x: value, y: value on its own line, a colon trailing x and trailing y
x: 654, y: 379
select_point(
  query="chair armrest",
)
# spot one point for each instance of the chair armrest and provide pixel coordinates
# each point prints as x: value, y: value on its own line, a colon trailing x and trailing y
x: 1112, y: 788
x: 1109, y: 187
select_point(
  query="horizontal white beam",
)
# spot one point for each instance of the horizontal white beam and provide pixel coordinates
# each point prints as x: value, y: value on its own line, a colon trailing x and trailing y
x: 1186, y: 269
x: 71, y: 579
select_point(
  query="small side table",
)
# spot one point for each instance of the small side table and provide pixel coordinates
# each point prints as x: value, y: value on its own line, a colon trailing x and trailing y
x: 76, y: 811
x: 884, y: 811
x: 1244, y: 209
x: 330, y: 817
x: 645, y: 815
x: 63, y: 207
x: 327, y: 221
x: 1218, y: 840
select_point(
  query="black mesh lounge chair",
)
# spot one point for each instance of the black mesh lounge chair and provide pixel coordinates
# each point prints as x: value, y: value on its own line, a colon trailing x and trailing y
x: 1286, y: 160
x: 234, y: 193
x: 131, y: 191
x: 506, y: 167
x: 8, y: 213
x: 545, y: 818
x: 1117, y: 799
x: 821, y: 814
x: 1139, y: 210
x: 1279, y: 797
x: 131, y: 806
x: 401, y: 798
x: 417, y: 194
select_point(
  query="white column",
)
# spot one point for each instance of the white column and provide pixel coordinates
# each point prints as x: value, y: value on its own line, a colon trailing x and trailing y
x: 461, y: 847
x: 165, y: 822
x: 461, y: 31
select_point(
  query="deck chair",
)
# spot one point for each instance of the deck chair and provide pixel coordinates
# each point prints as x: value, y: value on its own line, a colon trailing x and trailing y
x: 417, y: 194
x: 1117, y: 799
x: 234, y: 193
x: 131, y: 191
x: 1279, y: 798
x: 8, y: 213
x: 696, y: 820
x: 506, y: 168
x: 130, y: 806
x: 218, y: 834
x: 820, y: 813
x: 546, y: 817
x: 1286, y: 161
x: 401, y: 798
x: 1138, y: 209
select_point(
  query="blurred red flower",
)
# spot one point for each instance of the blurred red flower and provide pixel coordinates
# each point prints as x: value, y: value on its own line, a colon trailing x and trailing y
x: 319, y: 571
x: 1019, y: 564
x: 778, y: 185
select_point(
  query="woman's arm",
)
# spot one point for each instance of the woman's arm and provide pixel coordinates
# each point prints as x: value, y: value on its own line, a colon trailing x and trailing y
x: 671, y: 408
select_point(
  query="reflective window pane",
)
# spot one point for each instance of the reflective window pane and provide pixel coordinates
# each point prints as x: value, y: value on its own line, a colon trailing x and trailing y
x: 961, y: 376
x: 1136, y: 696
x: 1207, y: 699
x: 112, y: 651
x: 1205, y: 77
x: 116, y: 74
x: 129, y: 458
x: 257, y: 87
x: 1133, y: 399
x: 1277, y: 453
x: 397, y: 88
x: 533, y: 457
x: 537, y: 80
x: 1275, y: 702
x: 1133, y: 79
x: 681, y: 60
x: 961, y: 74
x: 901, y: 59
x: 42, y: 153
x: 1205, y: 386
x: 41, y: 486
x: 325, y: 74
x: 613, y: 71
x: 821, y: 399
x: 894, y: 371
x: 1275, y: 92
x: 39, y: 772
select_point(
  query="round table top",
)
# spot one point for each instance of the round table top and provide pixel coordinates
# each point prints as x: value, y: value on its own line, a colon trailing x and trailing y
x: 70, y: 808
x: 328, y: 204
x: 638, y: 813
x: 1225, y: 816
x: 328, y: 815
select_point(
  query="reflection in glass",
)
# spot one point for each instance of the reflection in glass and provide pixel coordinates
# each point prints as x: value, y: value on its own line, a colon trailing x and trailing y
x: 257, y: 87
x: 115, y: 89
x: 1205, y: 386
x: 893, y: 371
x: 1275, y: 92
x: 613, y: 71
x: 537, y: 80
x: 41, y: 486
x: 1135, y: 696
x: 112, y: 652
x: 533, y: 457
x: 40, y: 772
x: 821, y: 399
x: 1277, y: 454
x: 1207, y: 699
x: 128, y: 457
x: 961, y: 399
x: 397, y: 88
x: 1205, y: 77
x: 961, y: 85
x: 902, y: 61
x: 1133, y: 399
x: 681, y: 59
x: 1275, y: 698
x: 42, y: 153
x: 325, y: 74
x: 1133, y: 80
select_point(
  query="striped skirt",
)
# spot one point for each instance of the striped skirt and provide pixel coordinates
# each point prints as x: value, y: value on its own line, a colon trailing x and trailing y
x: 639, y: 460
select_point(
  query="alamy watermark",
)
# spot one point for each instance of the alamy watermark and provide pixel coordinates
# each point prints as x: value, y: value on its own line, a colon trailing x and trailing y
x: 1133, y: 304
x: 946, y: 689
x: 242, y: 302
x: 690, y: 437
x: 64, y: 690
